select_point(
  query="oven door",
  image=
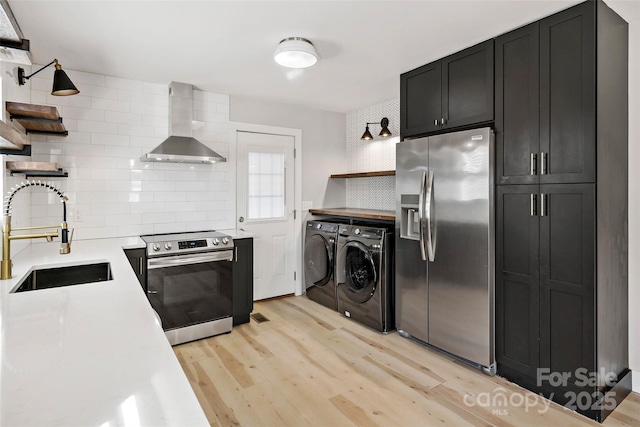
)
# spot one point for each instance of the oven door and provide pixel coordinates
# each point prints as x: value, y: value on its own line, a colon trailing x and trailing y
x: 190, y: 289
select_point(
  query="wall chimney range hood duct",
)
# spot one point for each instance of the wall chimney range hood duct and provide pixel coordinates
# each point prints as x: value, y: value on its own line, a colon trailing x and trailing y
x: 181, y: 146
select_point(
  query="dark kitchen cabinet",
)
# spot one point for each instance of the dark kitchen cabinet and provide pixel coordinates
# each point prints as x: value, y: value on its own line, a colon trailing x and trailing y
x: 561, y: 215
x: 242, y: 280
x: 517, y: 279
x: 517, y: 106
x: 454, y: 92
x: 546, y: 100
x: 138, y: 259
x: 545, y: 278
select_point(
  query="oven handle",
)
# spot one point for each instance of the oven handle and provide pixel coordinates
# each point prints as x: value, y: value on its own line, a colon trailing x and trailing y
x: 173, y: 261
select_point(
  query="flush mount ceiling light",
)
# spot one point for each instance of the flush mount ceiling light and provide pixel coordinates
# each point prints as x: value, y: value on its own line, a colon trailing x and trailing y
x: 385, y: 132
x: 62, y: 85
x: 295, y: 52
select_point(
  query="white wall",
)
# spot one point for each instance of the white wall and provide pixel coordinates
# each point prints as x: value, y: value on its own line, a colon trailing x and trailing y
x: 111, y: 123
x: 323, y: 147
x: 374, y: 155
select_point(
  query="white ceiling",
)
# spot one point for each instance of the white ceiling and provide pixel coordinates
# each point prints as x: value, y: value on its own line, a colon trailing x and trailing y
x: 227, y: 46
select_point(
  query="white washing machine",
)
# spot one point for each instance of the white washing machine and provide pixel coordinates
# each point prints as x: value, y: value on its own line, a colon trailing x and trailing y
x: 319, y: 262
x: 364, y: 275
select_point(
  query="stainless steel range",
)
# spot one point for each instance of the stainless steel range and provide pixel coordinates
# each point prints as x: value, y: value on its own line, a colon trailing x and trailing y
x: 190, y: 283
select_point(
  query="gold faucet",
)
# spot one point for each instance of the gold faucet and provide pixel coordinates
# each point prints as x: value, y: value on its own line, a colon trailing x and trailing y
x: 65, y: 246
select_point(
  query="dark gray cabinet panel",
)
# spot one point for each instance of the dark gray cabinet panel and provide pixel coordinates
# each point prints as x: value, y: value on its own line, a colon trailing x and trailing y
x: 138, y: 260
x: 242, y: 280
x: 517, y: 278
x: 517, y: 99
x: 421, y: 105
x: 467, y: 86
x: 454, y: 92
x: 567, y: 267
x: 568, y: 95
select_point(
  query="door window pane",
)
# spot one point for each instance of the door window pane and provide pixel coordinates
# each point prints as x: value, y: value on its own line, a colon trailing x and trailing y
x: 265, y: 190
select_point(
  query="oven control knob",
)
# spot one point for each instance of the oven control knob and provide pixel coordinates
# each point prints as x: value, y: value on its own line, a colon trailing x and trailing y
x: 357, y: 231
x: 215, y: 241
x: 167, y: 246
x: 225, y: 241
x: 155, y: 247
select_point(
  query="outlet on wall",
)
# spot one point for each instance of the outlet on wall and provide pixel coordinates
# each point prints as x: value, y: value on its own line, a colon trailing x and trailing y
x: 307, y: 204
x: 77, y: 214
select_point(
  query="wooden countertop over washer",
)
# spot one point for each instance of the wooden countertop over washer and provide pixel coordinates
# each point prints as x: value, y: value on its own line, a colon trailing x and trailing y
x: 356, y: 213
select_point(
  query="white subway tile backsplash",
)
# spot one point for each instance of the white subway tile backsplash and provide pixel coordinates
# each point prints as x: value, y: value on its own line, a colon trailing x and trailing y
x: 147, y: 207
x: 80, y: 77
x: 95, y: 126
x: 158, y: 217
x: 155, y: 88
x: 97, y: 91
x: 75, y: 100
x: 134, y: 130
x: 141, y: 97
x: 157, y: 121
x: 118, y: 117
x: 69, y: 112
x: 110, y: 105
x: 123, y: 219
x: 110, y: 139
x: 38, y: 96
x: 111, y: 123
x: 151, y: 109
x: 120, y: 83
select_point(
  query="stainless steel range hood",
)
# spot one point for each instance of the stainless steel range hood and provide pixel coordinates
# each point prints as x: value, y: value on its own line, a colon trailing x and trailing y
x: 181, y: 147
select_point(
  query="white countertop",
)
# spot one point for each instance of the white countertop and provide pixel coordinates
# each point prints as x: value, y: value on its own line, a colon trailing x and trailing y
x: 88, y: 355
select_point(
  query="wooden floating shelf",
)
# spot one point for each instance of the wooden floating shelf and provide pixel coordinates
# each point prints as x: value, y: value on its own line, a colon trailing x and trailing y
x: 40, y: 119
x: 356, y: 213
x: 363, y: 174
x: 37, y: 169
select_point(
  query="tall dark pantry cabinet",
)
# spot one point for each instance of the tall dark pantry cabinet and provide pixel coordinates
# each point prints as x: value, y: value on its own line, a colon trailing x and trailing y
x: 561, y: 208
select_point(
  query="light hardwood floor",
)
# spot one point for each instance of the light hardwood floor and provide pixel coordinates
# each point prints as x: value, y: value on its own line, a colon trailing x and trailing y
x: 310, y: 366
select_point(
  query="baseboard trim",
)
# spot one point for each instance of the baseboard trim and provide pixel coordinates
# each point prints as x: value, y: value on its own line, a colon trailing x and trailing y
x: 636, y: 381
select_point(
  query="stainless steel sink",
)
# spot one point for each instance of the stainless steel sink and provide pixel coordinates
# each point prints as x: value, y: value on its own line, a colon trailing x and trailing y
x: 45, y: 278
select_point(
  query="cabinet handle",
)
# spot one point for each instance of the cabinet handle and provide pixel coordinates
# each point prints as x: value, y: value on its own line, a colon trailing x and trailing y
x: 443, y: 121
x: 141, y: 266
x: 534, y: 161
x: 543, y: 163
x: 543, y: 205
x: 534, y: 203
x: 236, y: 254
x: 435, y: 122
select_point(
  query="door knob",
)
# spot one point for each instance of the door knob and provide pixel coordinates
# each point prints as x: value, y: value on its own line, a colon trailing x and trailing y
x: 241, y: 219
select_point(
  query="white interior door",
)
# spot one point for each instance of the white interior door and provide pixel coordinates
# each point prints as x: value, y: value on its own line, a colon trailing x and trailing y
x: 265, y: 207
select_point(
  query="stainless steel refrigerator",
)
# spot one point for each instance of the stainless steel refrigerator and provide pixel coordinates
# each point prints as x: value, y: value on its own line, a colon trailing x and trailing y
x: 445, y: 250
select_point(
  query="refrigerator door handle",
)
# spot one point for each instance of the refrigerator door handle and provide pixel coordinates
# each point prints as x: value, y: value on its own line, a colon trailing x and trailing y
x: 431, y: 237
x: 423, y: 184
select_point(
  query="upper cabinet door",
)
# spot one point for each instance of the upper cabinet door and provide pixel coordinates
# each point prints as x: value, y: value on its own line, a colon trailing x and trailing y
x: 467, y: 86
x: 567, y: 96
x: 517, y: 99
x: 420, y: 100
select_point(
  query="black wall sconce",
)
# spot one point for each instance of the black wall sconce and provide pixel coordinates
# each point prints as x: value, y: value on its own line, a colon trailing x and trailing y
x: 385, y: 132
x: 62, y: 85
